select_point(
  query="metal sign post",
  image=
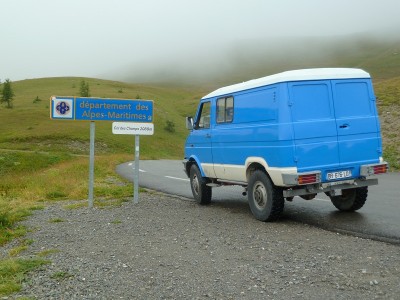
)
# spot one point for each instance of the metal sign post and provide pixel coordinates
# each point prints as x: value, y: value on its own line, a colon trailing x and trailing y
x: 136, y: 173
x: 91, y: 163
x: 136, y: 129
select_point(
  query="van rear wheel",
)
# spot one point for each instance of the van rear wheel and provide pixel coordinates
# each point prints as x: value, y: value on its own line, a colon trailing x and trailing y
x: 201, y: 192
x: 351, y: 199
x: 265, y: 200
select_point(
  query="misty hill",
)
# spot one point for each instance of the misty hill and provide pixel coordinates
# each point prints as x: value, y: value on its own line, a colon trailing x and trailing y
x: 249, y: 59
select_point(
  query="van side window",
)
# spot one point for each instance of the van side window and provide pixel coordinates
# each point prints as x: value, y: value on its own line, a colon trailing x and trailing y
x: 225, y: 110
x: 203, y: 120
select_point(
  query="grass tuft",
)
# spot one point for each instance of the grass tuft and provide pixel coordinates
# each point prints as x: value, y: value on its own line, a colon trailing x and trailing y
x: 48, y: 252
x: 13, y: 272
x: 61, y: 275
x: 56, y: 220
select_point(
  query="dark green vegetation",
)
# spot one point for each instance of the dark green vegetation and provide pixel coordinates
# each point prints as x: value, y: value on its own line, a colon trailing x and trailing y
x: 7, y: 93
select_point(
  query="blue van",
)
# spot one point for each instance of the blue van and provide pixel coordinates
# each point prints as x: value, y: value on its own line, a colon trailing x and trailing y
x: 296, y: 133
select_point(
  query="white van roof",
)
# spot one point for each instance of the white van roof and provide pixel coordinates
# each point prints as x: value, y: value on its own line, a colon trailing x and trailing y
x: 295, y: 75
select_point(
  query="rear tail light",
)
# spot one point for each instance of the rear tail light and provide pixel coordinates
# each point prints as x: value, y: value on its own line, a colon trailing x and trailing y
x: 380, y: 169
x: 309, y: 178
x: 302, y: 178
x: 369, y: 170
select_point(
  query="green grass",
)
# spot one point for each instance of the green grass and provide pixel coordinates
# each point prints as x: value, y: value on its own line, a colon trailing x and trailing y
x: 14, y: 271
x: 23, y: 245
x: 17, y: 250
x: 22, y: 162
x: 46, y: 253
x: 388, y: 95
x: 388, y: 92
x: 28, y: 126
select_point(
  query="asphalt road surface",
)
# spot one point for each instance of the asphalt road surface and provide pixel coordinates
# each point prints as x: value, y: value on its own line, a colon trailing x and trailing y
x: 379, y: 219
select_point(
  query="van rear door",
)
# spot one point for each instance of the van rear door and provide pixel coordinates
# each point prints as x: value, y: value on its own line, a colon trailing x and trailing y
x: 335, y: 124
x: 357, y: 123
x: 314, y: 125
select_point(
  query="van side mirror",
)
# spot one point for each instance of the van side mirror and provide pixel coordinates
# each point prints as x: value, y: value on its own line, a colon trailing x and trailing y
x: 189, y: 123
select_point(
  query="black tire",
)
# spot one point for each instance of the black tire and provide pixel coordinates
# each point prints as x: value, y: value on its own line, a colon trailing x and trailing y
x: 351, y: 199
x: 201, y: 192
x: 266, y: 200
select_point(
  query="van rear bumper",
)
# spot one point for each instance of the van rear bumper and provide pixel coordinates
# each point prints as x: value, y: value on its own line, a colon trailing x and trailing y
x: 310, y: 183
x: 328, y: 187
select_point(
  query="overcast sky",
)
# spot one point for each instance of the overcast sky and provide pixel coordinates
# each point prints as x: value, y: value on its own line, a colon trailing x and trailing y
x: 106, y: 39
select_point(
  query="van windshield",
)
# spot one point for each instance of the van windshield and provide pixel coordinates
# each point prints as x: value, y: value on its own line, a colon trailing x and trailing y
x: 203, y: 119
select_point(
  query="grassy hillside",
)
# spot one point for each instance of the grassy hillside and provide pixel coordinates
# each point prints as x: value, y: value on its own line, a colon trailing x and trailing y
x: 28, y: 126
x: 388, y: 95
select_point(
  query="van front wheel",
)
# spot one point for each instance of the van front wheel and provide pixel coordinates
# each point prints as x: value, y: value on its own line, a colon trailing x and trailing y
x: 201, y: 192
x: 265, y: 200
x: 351, y: 199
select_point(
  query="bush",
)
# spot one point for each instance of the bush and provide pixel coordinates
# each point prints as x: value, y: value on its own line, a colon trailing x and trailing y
x: 170, y: 127
x: 84, y: 89
x: 37, y: 99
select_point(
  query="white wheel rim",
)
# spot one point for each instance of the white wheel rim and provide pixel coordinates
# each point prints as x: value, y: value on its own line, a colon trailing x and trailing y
x: 260, y: 195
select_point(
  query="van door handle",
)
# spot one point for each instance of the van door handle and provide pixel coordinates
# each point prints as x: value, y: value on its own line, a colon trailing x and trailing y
x: 344, y: 126
x: 208, y: 135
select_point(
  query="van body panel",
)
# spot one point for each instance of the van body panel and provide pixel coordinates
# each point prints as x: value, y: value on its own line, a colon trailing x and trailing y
x: 229, y: 172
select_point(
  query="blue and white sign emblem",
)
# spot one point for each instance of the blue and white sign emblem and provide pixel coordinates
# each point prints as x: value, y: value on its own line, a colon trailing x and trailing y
x: 62, y: 108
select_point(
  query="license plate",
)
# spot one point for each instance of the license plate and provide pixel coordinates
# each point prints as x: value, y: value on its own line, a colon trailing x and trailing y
x: 338, y: 175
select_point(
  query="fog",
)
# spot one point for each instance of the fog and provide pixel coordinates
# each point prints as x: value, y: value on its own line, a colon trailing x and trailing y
x: 250, y: 59
x: 186, y: 41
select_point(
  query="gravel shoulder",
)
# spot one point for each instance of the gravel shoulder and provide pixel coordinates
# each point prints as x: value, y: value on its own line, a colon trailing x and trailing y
x: 170, y: 248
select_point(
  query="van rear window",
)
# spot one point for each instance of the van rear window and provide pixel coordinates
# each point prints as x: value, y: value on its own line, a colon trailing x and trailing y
x: 352, y: 99
x: 311, y: 102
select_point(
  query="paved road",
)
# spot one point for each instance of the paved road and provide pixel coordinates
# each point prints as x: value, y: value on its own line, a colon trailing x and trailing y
x: 379, y: 219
